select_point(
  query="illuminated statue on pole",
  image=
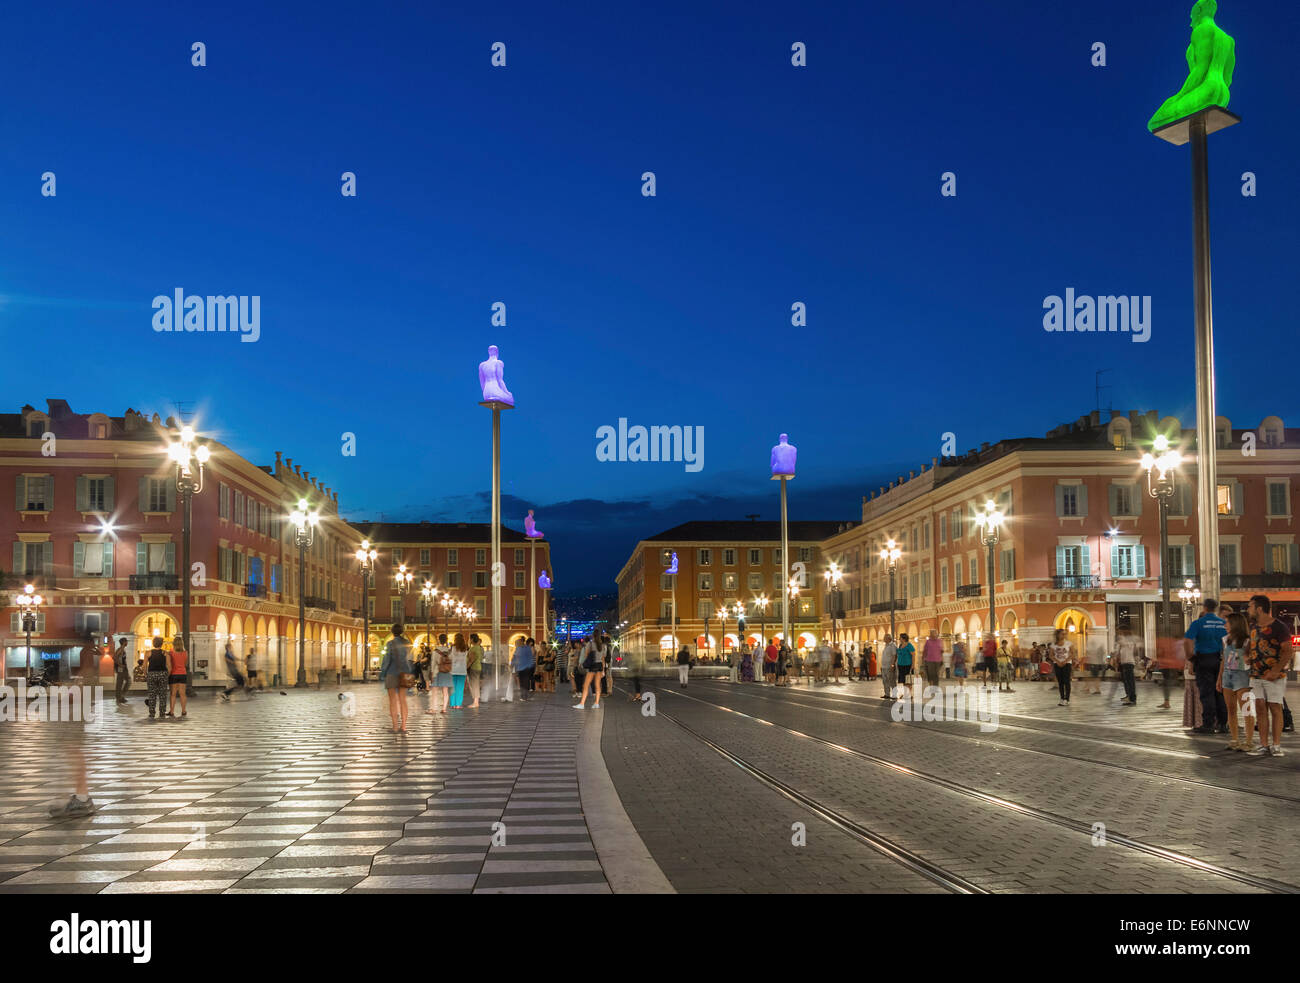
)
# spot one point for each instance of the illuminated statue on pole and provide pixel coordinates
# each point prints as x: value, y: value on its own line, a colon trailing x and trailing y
x: 491, y: 378
x: 544, y: 582
x: 783, y: 458
x: 530, y: 527
x: 1211, y: 57
x: 672, y: 569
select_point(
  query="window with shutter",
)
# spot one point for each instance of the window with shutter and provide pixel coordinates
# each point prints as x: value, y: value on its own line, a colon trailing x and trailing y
x: 93, y: 559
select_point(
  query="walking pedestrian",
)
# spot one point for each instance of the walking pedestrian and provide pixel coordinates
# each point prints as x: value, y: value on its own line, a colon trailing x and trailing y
x: 771, y: 661
x: 932, y: 658
x: 959, y: 662
x: 1005, y: 670
x: 576, y: 670
x: 906, y: 658
x: 1203, y: 643
x: 474, y: 667
x: 746, y: 665
x: 250, y: 670
x: 989, y: 656
x: 522, y: 664
x: 873, y: 669
x: 1270, y: 660
x: 236, y: 677
x: 397, y: 675
x: 122, y: 670
x: 1234, y: 680
x: 442, y: 681
x: 156, y: 679
x: 1126, y: 664
x: 684, y: 667
x: 837, y: 662
x: 1061, y: 655
x: 459, y: 670
x: 782, y: 665
x: 179, y: 661
x: 593, y: 664
x: 889, y: 667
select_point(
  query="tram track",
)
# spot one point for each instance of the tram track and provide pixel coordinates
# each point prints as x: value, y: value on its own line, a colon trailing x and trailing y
x: 1134, y: 769
x: 999, y: 802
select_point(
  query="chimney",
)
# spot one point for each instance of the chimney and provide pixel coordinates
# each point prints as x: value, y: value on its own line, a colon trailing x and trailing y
x: 934, y: 462
x: 297, y: 469
x: 336, y: 500
x: 306, y: 476
x: 288, y: 461
x: 277, y: 462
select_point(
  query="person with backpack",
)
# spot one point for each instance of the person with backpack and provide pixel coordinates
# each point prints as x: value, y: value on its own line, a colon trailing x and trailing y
x: 442, y: 675
x: 593, y: 664
x: 684, y: 666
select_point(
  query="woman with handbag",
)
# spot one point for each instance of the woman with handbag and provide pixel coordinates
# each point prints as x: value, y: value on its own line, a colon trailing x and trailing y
x: 442, y: 682
x: 398, y: 677
x: 593, y: 661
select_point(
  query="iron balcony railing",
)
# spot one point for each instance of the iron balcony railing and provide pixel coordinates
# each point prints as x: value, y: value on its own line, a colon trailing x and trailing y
x: 155, y: 581
x: 1074, y: 581
x: 970, y: 590
x: 252, y: 589
x: 1259, y: 581
x: 21, y: 580
x: 899, y: 604
x: 319, y: 603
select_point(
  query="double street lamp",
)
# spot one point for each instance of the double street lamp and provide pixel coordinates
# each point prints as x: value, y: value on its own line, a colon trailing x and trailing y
x: 1190, y: 595
x: 29, y: 604
x: 890, y: 553
x: 429, y: 594
x: 366, y: 557
x: 190, y: 455
x: 833, y: 577
x: 304, y: 519
x: 989, y: 522
x: 1161, y: 468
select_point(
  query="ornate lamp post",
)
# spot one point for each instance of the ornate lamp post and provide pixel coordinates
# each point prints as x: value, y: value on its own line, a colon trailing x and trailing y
x: 761, y: 602
x: 989, y: 523
x: 740, y: 634
x: 304, y: 519
x: 29, y: 604
x: 366, y: 557
x: 792, y: 598
x: 833, y: 577
x: 1161, y: 468
x: 190, y: 456
x: 429, y: 595
x: 890, y: 553
x: 1190, y: 595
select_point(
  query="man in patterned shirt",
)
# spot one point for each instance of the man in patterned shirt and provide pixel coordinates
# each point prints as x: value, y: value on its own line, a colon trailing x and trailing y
x: 1270, y: 655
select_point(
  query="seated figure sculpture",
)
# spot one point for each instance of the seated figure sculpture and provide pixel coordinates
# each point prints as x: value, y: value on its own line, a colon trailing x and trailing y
x: 491, y: 378
x: 543, y: 581
x: 530, y: 526
x: 672, y: 567
x: 783, y: 457
x: 1211, y: 57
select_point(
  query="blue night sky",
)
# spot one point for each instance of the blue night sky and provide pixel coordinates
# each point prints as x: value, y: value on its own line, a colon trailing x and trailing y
x: 523, y: 185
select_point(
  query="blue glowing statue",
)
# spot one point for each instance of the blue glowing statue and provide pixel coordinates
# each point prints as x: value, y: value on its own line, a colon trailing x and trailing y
x: 491, y: 379
x: 672, y: 569
x: 530, y: 527
x: 543, y: 581
x: 783, y: 458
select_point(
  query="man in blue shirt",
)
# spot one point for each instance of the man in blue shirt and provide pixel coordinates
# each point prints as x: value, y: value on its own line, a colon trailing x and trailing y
x: 1205, y: 650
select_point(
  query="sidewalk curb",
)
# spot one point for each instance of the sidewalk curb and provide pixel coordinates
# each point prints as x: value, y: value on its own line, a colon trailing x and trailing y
x: 628, y: 866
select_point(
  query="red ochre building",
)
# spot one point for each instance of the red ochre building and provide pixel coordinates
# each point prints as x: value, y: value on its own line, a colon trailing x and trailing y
x: 95, y: 525
x: 1080, y: 548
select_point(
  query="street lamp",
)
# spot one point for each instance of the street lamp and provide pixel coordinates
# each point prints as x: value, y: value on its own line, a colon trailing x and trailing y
x: 429, y: 594
x: 989, y: 522
x: 29, y: 603
x: 1190, y: 595
x: 761, y: 602
x: 890, y: 554
x: 447, y: 604
x: 833, y: 577
x: 1160, y: 486
x: 366, y: 556
x: 740, y: 635
x: 190, y: 456
x: 304, y: 519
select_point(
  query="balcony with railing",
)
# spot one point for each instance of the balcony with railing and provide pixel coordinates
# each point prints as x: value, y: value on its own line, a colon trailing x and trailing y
x: 253, y: 589
x: 1259, y: 581
x: 20, y: 580
x: 899, y: 604
x: 320, y: 603
x: 970, y: 590
x: 155, y: 581
x: 1075, y: 581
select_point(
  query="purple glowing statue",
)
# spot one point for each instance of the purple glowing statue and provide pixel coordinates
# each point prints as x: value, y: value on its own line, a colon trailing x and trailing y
x: 491, y: 378
x: 544, y: 582
x: 672, y: 569
x: 530, y: 527
x: 783, y: 458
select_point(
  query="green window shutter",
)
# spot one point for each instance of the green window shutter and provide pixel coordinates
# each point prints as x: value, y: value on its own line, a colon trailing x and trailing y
x: 20, y: 493
x: 1139, y: 493
x: 1140, y: 560
x: 171, y: 496
x: 82, y: 503
x: 1083, y: 499
x: 1294, y: 558
x: 143, y: 493
x: 47, y: 553
x: 78, y: 557
x: 141, y: 558
x: 109, y: 496
x: 20, y: 557
x: 1238, y: 498
x: 49, y: 492
x: 1268, y: 558
x: 1060, y: 500
x: 1085, y: 561
x: 108, y: 559
x: 1114, y: 499
x: 171, y: 557
x: 1060, y: 559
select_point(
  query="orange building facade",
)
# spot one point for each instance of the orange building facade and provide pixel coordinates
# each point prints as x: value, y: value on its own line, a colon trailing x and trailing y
x: 1080, y: 547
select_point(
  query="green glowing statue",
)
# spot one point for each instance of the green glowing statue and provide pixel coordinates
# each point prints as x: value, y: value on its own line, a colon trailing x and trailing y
x: 1211, y: 56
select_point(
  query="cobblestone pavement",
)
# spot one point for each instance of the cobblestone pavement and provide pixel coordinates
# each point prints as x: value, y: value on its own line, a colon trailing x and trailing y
x: 291, y: 794
x: 1132, y: 769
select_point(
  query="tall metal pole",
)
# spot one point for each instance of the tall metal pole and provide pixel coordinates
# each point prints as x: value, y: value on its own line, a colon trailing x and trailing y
x: 302, y: 615
x: 185, y: 588
x: 1163, y: 504
x: 1206, y: 451
x: 672, y: 629
x: 365, y: 609
x: 993, y: 614
x: 496, y: 548
x: 893, y: 637
x: 785, y: 570
x: 532, y: 591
